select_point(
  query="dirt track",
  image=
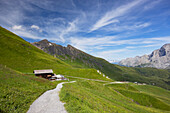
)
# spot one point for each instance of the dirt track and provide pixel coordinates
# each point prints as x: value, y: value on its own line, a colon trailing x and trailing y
x: 49, y: 102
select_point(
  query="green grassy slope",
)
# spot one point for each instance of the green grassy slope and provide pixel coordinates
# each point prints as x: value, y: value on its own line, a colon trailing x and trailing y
x: 18, y: 91
x: 158, y: 77
x: 151, y: 76
x: 160, y: 93
x: 94, y: 97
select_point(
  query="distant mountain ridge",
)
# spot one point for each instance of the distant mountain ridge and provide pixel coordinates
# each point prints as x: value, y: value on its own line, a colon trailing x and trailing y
x: 159, y: 58
x: 80, y: 59
x: 68, y: 53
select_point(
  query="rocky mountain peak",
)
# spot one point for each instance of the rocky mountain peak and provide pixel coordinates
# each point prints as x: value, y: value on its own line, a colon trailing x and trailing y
x: 45, y: 41
x: 159, y: 58
x: 164, y: 50
x: 43, y: 44
x: 70, y: 46
x: 55, y: 49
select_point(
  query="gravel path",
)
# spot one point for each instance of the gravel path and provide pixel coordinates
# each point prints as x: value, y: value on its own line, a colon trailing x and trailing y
x: 116, y: 82
x: 87, y: 79
x: 49, y: 102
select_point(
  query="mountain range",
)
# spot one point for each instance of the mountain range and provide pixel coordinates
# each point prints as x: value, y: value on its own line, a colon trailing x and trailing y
x: 159, y: 58
x: 80, y: 59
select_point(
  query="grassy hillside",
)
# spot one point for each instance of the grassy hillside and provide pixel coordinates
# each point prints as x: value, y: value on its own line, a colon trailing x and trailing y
x: 94, y: 97
x: 158, y: 77
x: 160, y: 93
x: 18, y: 91
x: 151, y: 76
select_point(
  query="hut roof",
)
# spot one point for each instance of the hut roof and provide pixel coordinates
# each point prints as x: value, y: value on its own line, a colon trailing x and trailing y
x: 43, y: 71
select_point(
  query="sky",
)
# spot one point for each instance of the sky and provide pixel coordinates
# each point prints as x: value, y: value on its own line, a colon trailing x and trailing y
x: 110, y: 29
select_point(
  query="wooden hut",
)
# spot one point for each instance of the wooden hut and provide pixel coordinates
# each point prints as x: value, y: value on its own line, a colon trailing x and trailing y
x: 47, y: 73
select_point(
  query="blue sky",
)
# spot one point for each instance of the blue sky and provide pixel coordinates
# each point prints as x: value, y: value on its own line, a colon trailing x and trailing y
x: 111, y: 29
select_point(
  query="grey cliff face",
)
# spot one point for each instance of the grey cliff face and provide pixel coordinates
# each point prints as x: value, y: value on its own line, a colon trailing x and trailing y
x: 159, y: 58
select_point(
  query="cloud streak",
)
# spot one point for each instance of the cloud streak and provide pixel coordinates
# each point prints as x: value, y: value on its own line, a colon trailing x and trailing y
x: 28, y: 35
x: 17, y: 27
x: 104, y: 42
x: 71, y: 28
x: 110, y: 16
x: 152, y: 4
x: 35, y: 27
x: 128, y: 27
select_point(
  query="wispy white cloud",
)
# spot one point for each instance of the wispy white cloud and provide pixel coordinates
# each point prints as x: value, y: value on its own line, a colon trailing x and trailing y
x: 128, y: 27
x: 35, y: 27
x: 104, y: 42
x: 111, y: 54
x: 110, y: 17
x: 71, y: 28
x: 131, y: 47
x: 143, y: 25
x: 26, y: 34
x: 129, y: 50
x: 84, y: 43
x: 112, y: 51
x: 152, y: 4
x: 152, y: 45
x: 62, y: 6
x: 166, y: 38
x: 73, y: 4
x: 10, y: 14
x: 102, y: 23
x: 33, y: 35
x: 17, y: 27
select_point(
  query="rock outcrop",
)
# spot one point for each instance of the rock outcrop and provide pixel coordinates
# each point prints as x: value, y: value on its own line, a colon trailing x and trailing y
x: 159, y: 58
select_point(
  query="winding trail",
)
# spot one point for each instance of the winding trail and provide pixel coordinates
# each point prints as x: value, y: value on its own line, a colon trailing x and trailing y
x: 49, y: 102
x: 88, y: 79
x: 116, y: 82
